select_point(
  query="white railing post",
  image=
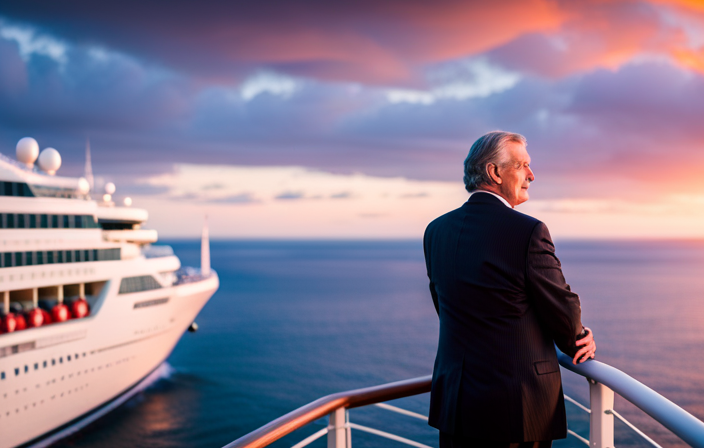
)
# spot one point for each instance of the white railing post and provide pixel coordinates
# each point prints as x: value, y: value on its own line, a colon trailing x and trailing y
x: 601, y: 420
x: 339, y: 435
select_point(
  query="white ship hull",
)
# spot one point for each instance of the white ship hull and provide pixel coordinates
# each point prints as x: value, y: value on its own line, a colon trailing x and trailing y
x: 63, y: 255
x: 109, y: 354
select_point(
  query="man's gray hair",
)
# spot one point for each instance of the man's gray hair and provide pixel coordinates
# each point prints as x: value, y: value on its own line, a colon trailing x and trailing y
x: 489, y: 148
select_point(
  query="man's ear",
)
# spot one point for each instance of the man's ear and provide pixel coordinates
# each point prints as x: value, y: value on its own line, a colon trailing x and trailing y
x: 493, y: 171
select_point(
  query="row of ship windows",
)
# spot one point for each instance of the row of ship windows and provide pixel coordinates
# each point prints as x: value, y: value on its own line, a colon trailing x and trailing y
x: 43, y: 365
x: 44, y: 221
x: 137, y: 284
x: 15, y: 259
x: 22, y: 189
x: 15, y: 189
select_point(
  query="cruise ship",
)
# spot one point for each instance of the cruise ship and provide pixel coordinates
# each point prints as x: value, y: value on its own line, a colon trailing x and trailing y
x: 90, y: 308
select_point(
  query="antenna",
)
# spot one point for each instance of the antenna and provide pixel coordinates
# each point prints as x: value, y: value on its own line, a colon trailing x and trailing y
x: 89, y: 167
x: 205, y: 250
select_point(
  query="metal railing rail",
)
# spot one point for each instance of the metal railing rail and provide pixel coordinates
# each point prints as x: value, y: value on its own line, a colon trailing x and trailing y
x: 331, y: 405
x: 603, y: 379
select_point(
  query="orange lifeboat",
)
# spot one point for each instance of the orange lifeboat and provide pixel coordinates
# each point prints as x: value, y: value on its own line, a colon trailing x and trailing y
x: 80, y: 308
x: 60, y: 313
x: 21, y: 322
x: 8, y: 323
x: 35, y: 318
x: 46, y: 316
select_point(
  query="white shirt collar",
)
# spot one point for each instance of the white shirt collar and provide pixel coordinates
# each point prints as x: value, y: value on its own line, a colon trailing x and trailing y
x: 493, y: 194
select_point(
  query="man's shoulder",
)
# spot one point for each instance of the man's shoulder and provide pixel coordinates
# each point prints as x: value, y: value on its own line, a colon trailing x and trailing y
x: 524, y: 219
x: 440, y: 220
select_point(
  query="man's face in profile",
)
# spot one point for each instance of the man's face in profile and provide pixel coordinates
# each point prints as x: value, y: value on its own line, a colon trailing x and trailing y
x: 516, y: 174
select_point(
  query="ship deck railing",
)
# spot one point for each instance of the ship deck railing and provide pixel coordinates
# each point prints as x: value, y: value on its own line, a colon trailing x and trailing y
x: 157, y: 251
x: 604, y: 381
x: 187, y: 274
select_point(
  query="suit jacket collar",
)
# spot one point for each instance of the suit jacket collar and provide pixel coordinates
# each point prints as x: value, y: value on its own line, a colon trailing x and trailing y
x: 484, y: 198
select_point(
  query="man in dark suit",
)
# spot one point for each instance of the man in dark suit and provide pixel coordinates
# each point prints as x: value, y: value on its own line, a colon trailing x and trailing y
x: 503, y: 303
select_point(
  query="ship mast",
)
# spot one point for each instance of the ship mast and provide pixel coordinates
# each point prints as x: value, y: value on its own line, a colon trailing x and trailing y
x: 89, y: 167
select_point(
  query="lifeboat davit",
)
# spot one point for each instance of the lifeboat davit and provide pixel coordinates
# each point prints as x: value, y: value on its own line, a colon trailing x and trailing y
x: 60, y: 313
x: 35, y: 318
x: 80, y: 308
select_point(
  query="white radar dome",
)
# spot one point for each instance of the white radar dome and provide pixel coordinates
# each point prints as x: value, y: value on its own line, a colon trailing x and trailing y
x: 50, y: 160
x: 110, y: 188
x: 83, y: 186
x: 27, y: 150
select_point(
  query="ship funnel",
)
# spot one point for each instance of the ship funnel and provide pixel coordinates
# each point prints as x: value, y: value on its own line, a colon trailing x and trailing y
x: 205, y: 250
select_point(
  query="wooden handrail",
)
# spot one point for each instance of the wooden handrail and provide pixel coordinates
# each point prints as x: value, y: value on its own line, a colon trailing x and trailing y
x: 321, y: 407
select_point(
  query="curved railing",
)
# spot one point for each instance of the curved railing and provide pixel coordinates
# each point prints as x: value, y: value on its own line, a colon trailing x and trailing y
x: 604, y: 380
x: 331, y: 404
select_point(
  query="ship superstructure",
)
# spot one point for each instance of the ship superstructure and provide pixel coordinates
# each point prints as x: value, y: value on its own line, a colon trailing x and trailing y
x: 89, y: 307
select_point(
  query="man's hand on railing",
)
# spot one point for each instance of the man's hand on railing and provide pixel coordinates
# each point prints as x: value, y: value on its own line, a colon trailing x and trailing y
x: 588, y: 350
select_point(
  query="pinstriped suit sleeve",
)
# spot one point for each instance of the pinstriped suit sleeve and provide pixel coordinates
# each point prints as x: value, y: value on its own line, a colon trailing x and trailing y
x: 558, y: 307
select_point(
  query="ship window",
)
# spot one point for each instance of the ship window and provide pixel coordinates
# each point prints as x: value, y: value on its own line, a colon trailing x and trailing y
x: 79, y: 221
x: 15, y: 189
x: 44, y: 364
x: 54, y: 221
x: 44, y: 221
x: 66, y: 223
x: 26, y: 368
x: 137, y: 284
x: 36, y: 366
x: 17, y: 371
x: 53, y: 362
x: 68, y: 357
x: 61, y: 359
x: 20, y: 221
x: 10, y: 221
x: 2, y: 375
x: 10, y: 259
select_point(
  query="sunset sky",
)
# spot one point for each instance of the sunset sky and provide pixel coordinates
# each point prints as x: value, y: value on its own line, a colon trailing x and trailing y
x: 337, y: 119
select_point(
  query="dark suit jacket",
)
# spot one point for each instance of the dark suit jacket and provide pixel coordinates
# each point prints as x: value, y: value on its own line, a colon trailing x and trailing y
x: 502, y: 301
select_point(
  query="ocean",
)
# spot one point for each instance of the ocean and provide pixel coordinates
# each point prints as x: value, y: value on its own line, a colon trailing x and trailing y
x: 296, y: 320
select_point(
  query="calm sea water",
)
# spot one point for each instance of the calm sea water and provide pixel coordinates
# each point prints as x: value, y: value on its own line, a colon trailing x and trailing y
x: 293, y: 321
